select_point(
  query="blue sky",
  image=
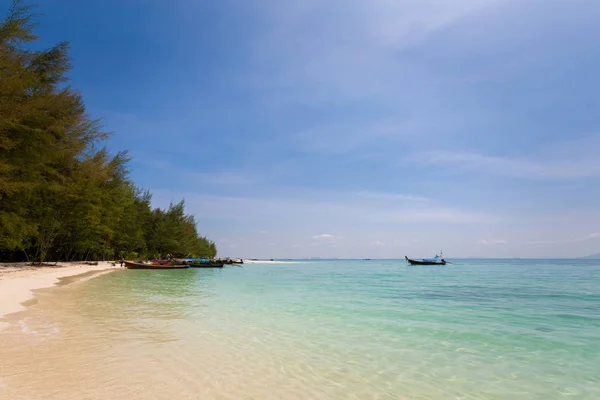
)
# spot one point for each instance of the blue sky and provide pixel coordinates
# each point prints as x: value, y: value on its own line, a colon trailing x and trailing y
x: 354, y: 128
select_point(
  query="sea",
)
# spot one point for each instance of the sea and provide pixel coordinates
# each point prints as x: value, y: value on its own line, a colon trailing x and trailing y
x: 322, y: 329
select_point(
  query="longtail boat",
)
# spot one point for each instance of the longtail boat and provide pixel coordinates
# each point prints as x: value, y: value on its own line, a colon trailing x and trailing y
x: 202, y: 263
x: 210, y: 264
x: 147, y: 265
x: 437, y: 260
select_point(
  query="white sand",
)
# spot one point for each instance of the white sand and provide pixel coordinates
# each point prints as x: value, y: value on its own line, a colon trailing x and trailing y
x: 17, y: 281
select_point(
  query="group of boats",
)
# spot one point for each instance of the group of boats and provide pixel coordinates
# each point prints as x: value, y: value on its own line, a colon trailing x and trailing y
x: 179, y: 263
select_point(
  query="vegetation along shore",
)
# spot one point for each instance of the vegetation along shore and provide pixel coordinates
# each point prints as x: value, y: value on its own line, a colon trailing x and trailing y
x: 63, y: 194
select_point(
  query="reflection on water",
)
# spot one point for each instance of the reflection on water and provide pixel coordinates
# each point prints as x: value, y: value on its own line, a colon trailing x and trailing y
x: 318, y: 330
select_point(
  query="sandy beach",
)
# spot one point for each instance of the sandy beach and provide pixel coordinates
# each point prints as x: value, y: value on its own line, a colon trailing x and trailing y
x: 19, y: 280
x: 312, y: 330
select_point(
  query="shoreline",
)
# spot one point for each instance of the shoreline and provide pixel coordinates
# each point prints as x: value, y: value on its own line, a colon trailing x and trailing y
x: 19, y: 280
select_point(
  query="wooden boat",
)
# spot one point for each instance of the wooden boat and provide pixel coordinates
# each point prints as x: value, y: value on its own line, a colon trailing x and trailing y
x: 240, y: 261
x: 427, y: 261
x: 211, y: 264
x: 146, y: 265
x: 201, y: 263
x: 164, y: 262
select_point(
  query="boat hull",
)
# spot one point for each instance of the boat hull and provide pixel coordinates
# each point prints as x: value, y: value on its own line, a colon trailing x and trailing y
x: 137, y: 265
x: 423, y: 262
x: 206, y: 265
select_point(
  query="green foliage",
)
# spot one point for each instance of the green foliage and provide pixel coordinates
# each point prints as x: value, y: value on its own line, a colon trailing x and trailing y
x: 62, y: 196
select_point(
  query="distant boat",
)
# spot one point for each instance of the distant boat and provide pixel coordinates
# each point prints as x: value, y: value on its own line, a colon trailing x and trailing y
x: 437, y: 260
x: 230, y: 261
x: 147, y: 265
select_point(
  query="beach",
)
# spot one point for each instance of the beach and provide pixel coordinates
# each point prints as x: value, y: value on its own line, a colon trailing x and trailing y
x: 347, y: 329
x: 19, y: 280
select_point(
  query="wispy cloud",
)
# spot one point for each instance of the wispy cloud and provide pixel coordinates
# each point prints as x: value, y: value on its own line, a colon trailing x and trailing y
x: 328, y: 237
x: 338, y: 209
x: 298, y: 120
x: 335, y: 51
x: 545, y: 242
x: 348, y: 136
x: 492, y: 242
x: 512, y: 167
x: 396, y: 197
x: 591, y: 236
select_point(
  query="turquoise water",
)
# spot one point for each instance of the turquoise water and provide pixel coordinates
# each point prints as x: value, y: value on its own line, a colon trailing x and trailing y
x: 356, y: 329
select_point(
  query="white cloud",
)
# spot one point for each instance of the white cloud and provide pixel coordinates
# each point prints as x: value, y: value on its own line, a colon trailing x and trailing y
x: 326, y: 223
x: 349, y: 136
x: 543, y: 242
x: 341, y: 209
x: 328, y: 237
x: 591, y: 236
x: 321, y: 50
x: 492, y: 242
x: 576, y: 160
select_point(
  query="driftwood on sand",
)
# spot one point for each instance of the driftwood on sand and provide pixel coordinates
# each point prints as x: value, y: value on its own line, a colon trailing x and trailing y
x: 39, y: 264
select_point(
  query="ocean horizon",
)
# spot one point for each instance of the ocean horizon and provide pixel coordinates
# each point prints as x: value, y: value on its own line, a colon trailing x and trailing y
x: 447, y: 258
x: 314, y: 329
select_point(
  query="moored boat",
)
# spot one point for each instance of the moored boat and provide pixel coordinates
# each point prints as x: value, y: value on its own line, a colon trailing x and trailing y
x: 149, y: 265
x: 211, y: 264
x: 437, y: 260
x: 202, y: 263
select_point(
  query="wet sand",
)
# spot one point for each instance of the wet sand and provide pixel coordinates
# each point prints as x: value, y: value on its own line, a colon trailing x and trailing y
x: 19, y: 280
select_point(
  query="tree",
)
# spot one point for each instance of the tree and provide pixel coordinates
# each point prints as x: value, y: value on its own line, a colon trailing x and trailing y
x: 62, y: 196
x: 43, y: 132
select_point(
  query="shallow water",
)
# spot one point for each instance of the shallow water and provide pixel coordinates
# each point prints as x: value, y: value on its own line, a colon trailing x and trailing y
x: 501, y: 329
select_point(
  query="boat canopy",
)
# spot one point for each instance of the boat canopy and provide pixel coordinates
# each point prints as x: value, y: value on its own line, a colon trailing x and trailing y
x: 434, y: 259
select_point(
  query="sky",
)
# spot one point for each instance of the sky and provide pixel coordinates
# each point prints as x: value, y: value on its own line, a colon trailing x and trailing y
x: 353, y: 129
